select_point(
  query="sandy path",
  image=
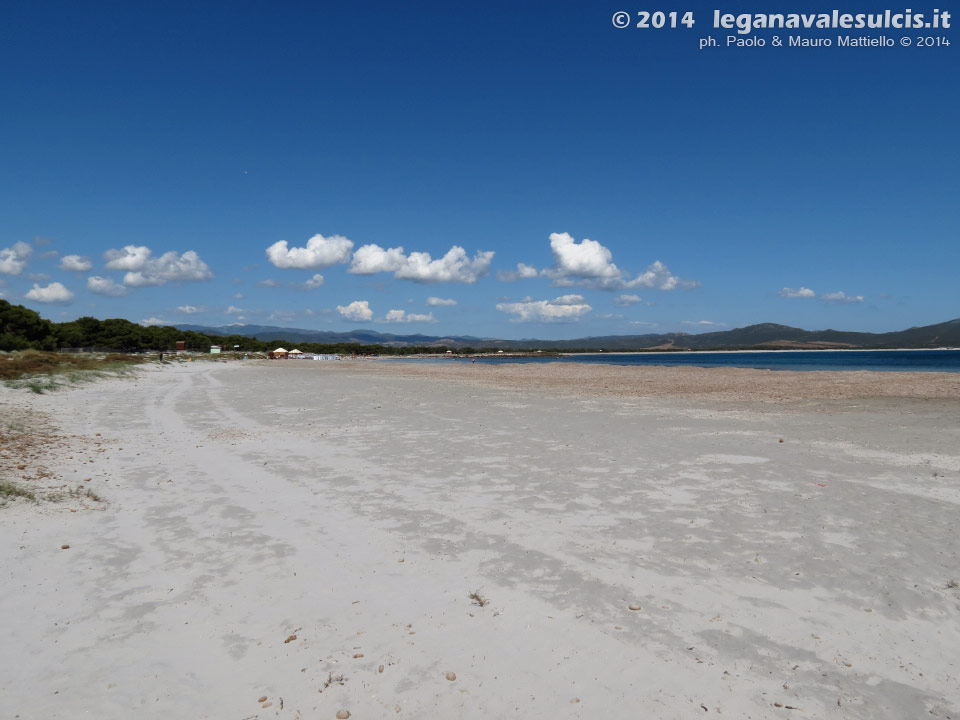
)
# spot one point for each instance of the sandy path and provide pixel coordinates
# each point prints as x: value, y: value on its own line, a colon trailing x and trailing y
x: 249, y: 504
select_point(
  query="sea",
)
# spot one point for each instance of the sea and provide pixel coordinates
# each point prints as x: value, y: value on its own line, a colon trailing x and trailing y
x: 877, y: 360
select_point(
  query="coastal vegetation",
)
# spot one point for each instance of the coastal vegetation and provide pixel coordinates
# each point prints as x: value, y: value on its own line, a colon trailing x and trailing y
x: 24, y: 329
x: 10, y: 491
x: 41, y: 371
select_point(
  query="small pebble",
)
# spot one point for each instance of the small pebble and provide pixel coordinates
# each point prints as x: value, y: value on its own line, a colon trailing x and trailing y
x: 64, y: 547
x: 262, y: 699
x: 575, y: 701
x: 451, y: 676
x: 290, y: 639
x: 358, y: 655
x: 266, y: 704
x: 380, y: 669
x: 635, y: 607
x: 343, y: 714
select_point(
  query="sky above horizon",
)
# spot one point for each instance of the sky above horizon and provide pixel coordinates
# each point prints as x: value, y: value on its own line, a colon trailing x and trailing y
x: 495, y: 169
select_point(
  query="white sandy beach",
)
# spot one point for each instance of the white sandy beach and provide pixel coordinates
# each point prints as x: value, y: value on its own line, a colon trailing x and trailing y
x: 788, y: 553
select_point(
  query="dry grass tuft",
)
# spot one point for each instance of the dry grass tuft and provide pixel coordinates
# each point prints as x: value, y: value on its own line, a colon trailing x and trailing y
x: 9, y: 491
x: 478, y: 599
x: 41, y: 372
x: 332, y: 679
x: 36, y: 362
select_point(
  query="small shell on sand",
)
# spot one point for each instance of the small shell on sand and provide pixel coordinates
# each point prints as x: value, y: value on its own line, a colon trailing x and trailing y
x: 290, y: 639
x: 451, y: 676
x: 635, y: 607
x: 343, y: 714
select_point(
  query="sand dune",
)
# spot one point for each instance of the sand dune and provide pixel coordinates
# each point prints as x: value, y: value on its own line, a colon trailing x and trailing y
x: 297, y: 540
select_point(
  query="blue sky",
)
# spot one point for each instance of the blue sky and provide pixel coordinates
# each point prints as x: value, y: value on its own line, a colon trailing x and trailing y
x: 509, y: 169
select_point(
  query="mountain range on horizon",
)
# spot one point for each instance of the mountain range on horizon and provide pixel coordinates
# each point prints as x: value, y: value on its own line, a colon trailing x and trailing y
x: 763, y: 335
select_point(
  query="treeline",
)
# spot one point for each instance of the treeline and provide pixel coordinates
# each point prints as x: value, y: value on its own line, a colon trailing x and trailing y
x: 23, y: 329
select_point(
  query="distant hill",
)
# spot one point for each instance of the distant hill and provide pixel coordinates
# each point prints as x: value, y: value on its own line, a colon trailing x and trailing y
x: 364, y: 337
x: 764, y: 335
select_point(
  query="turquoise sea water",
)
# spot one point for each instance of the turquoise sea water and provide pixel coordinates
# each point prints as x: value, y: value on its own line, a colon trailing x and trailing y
x: 897, y: 360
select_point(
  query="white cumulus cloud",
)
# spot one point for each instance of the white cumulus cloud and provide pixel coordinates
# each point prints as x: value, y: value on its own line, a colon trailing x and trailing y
x: 800, y: 292
x: 565, y: 308
x: 233, y: 310
x: 658, y: 276
x: 314, y: 282
x: 320, y: 252
x: 455, y: 266
x: 189, y: 309
x: 105, y: 286
x: 14, y: 259
x: 131, y: 257
x: 143, y: 269
x: 358, y: 310
x: 153, y: 321
x: 523, y: 272
x: 401, y: 316
x: 587, y: 259
x: 440, y: 302
x: 52, y: 293
x: 591, y: 264
x: 170, y: 267
x: 75, y: 263
x: 420, y: 267
x: 841, y: 298
x: 372, y: 258
x: 626, y: 300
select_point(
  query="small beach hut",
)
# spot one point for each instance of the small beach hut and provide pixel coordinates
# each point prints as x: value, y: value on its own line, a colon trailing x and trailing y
x: 278, y: 354
x: 296, y: 354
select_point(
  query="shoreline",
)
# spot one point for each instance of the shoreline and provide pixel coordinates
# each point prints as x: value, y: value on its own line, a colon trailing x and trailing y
x: 764, y: 350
